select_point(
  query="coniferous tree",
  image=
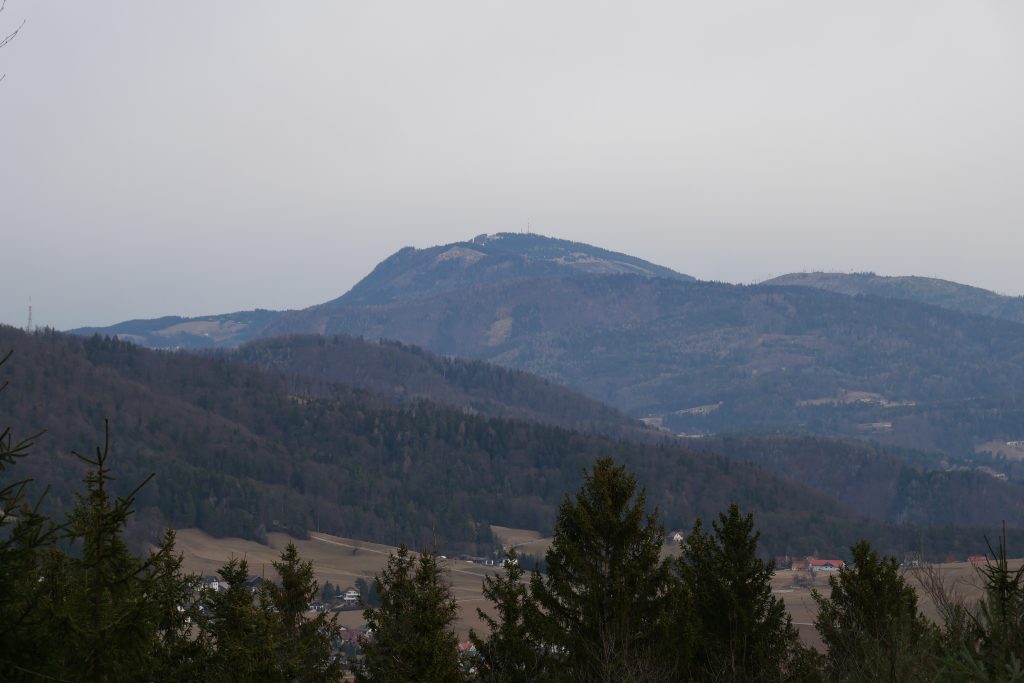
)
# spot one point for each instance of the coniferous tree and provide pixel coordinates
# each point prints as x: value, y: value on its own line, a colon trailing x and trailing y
x: 183, y: 648
x: 605, y: 602
x: 25, y: 535
x: 988, y: 645
x: 411, y: 637
x: 241, y: 625
x: 510, y: 653
x: 306, y: 644
x: 870, y: 623
x: 739, y: 630
x: 106, y: 620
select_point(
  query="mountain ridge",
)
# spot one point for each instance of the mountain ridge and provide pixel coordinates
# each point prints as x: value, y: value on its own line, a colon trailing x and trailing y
x: 409, y: 273
x: 927, y: 290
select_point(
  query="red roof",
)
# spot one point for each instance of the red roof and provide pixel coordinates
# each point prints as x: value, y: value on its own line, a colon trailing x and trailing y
x: 814, y: 562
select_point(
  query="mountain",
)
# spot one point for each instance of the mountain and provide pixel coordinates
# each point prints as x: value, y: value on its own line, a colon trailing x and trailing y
x: 406, y: 275
x: 926, y: 290
x: 240, y: 451
x: 692, y: 357
x: 700, y: 357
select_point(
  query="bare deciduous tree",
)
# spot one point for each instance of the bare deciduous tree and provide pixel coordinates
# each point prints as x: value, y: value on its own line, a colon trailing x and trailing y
x: 10, y: 36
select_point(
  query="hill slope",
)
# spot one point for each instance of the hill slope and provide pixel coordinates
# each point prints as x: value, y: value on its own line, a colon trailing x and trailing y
x: 411, y: 374
x: 925, y: 290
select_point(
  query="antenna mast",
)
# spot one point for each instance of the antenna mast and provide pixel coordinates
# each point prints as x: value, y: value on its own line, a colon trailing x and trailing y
x: 28, y: 328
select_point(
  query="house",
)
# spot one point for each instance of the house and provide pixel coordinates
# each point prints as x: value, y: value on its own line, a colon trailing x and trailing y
x: 677, y: 537
x: 977, y: 559
x: 213, y: 583
x: 817, y: 565
x: 350, y: 597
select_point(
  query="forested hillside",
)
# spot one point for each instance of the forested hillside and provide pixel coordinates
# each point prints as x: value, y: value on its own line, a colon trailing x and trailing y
x: 239, y: 451
x: 408, y: 374
x: 887, y: 483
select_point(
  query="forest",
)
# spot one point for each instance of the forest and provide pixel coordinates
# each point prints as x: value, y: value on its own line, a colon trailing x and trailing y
x: 239, y: 451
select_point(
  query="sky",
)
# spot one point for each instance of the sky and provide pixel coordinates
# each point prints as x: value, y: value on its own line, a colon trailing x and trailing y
x: 194, y: 158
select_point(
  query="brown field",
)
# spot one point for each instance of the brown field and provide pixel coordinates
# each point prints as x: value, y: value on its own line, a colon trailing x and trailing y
x: 523, y: 540
x: 338, y: 560
x: 795, y: 590
x: 341, y: 561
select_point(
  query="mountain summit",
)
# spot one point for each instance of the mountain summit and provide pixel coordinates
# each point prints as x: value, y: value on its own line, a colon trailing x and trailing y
x: 486, y: 259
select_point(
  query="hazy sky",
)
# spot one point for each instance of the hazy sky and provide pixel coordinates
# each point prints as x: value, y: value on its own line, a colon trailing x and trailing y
x: 203, y: 157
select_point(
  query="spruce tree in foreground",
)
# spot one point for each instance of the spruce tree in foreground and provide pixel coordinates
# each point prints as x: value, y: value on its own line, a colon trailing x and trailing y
x: 104, y: 622
x: 870, y: 623
x: 606, y: 601
x: 183, y: 649
x: 411, y: 635
x: 740, y: 631
x: 25, y: 535
x: 988, y: 644
x: 306, y: 644
x: 510, y: 653
x: 241, y: 625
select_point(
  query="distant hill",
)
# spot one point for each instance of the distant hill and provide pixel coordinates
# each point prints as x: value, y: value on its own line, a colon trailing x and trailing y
x: 410, y: 374
x: 406, y: 275
x: 925, y: 290
x: 202, y: 332
x: 691, y: 357
x: 242, y: 452
x: 699, y: 357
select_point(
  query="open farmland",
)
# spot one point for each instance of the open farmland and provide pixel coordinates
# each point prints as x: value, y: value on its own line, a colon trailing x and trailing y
x: 338, y: 560
x: 341, y: 561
